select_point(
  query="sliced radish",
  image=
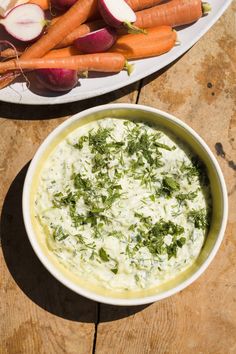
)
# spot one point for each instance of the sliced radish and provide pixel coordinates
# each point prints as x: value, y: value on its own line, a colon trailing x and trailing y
x: 97, y: 41
x: 117, y: 13
x: 25, y: 22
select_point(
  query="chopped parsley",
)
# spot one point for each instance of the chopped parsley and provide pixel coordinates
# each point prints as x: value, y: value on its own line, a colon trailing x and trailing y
x: 103, y: 255
x: 169, y: 186
x: 200, y: 218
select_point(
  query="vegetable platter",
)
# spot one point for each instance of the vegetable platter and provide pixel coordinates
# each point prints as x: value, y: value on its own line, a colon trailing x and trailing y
x: 116, y: 44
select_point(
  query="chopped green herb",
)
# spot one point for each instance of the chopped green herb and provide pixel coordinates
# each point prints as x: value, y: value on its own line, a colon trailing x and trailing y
x: 163, y: 146
x: 114, y: 270
x: 200, y: 218
x: 103, y: 255
x: 173, y: 247
x: 81, y: 182
x: 169, y: 186
x: 98, y: 140
x: 81, y: 142
x: 59, y: 234
x: 186, y: 196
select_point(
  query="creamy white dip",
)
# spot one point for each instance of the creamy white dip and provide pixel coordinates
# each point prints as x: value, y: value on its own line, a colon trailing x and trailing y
x: 123, y: 205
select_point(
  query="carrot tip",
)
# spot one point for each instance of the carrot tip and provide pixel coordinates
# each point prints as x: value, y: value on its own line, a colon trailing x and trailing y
x: 206, y: 7
x: 133, y: 29
x: 84, y: 74
x: 129, y: 67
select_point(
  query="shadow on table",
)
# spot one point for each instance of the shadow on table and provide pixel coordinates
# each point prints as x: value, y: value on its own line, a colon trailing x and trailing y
x: 32, y: 112
x: 34, y: 280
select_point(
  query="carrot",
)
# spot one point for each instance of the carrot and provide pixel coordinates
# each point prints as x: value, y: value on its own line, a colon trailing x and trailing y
x: 157, y: 41
x: 44, y: 4
x: 62, y: 53
x: 145, y: 19
x: 10, y: 53
x: 174, y: 13
x: 137, y: 5
x: 104, y: 62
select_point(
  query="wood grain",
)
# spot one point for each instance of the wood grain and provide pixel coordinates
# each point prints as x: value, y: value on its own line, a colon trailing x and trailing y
x: 200, y: 89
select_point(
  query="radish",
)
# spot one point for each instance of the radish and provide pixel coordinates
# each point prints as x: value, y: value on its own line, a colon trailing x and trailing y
x: 58, y: 80
x: 97, y: 41
x: 62, y: 4
x: 117, y: 13
x: 25, y: 22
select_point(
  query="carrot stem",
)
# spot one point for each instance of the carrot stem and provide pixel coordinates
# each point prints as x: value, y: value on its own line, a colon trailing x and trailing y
x: 206, y: 8
x: 133, y: 29
x: 128, y: 67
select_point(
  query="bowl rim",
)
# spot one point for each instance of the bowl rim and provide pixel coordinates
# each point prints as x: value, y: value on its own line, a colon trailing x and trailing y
x: 55, y: 271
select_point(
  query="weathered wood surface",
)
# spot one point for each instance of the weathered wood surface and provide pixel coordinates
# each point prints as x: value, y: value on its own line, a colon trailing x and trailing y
x: 37, y: 314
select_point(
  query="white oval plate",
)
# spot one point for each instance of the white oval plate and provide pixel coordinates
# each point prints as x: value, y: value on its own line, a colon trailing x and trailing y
x: 100, y: 84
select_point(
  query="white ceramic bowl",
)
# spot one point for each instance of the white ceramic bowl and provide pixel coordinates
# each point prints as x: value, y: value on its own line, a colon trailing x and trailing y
x: 218, y: 191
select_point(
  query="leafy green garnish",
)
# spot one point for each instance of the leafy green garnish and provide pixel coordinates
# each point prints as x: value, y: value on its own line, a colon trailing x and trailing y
x: 79, y: 145
x: 98, y: 140
x: 81, y: 183
x: 114, y: 270
x: 169, y: 186
x: 200, y: 218
x: 173, y: 247
x: 186, y: 196
x: 154, y: 238
x: 103, y: 255
x: 58, y: 234
x: 196, y: 169
x: 163, y: 146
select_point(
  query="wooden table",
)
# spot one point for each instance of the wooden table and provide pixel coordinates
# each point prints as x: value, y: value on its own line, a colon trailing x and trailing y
x: 38, y: 314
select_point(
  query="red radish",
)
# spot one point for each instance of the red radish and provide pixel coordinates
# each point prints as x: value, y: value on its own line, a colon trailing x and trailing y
x: 117, y: 13
x: 24, y: 22
x: 57, y: 79
x: 62, y: 4
x: 97, y: 41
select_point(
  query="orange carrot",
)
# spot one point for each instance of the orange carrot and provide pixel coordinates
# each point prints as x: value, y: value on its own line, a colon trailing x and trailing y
x: 44, y: 4
x: 157, y: 41
x: 174, y: 13
x: 155, y: 16
x: 10, y: 53
x: 104, y: 62
x: 62, y: 53
x: 56, y: 53
x: 137, y: 5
